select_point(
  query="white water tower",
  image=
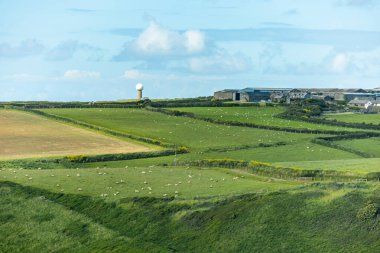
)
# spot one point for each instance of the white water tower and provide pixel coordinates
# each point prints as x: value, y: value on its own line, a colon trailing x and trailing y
x: 139, y: 88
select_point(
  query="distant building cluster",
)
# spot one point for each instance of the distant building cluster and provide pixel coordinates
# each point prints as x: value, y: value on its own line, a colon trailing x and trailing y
x: 362, y: 98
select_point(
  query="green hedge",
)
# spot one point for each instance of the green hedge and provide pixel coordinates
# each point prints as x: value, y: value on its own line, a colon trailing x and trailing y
x: 118, y: 157
x: 260, y: 145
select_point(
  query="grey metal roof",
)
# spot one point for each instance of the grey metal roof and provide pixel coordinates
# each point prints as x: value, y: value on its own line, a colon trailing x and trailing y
x: 359, y: 101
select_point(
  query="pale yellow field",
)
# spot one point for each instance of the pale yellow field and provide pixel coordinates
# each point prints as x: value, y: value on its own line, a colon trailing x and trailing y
x: 23, y: 135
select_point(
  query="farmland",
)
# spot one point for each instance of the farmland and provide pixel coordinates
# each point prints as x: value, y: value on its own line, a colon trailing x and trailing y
x: 355, y: 118
x: 370, y: 146
x: 354, y: 165
x: 166, y: 203
x: 23, y: 135
x: 117, y: 183
x: 258, y: 115
x: 201, y: 136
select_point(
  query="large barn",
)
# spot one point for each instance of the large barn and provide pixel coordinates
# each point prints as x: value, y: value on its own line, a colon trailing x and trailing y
x: 249, y: 94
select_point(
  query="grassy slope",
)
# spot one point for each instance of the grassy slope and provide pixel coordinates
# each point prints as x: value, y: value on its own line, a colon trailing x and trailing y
x: 257, y: 115
x: 370, y: 146
x: 356, y: 118
x: 182, y: 131
x: 154, y: 182
x: 356, y: 165
x: 320, y: 218
x: 35, y: 224
x: 312, y: 219
x: 200, y: 135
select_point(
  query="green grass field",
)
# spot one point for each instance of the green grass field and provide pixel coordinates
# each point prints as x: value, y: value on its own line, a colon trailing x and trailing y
x: 195, y: 134
x: 257, y: 115
x: 116, y: 183
x: 38, y: 225
x: 153, y: 205
x: 370, y: 146
x: 355, y: 118
x: 324, y: 218
x: 200, y: 135
x: 355, y: 165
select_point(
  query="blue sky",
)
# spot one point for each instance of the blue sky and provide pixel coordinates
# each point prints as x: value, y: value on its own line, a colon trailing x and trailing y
x: 98, y: 50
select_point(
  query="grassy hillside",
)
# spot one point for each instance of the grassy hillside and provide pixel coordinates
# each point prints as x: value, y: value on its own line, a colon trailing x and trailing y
x: 257, y: 115
x: 201, y: 136
x: 319, y: 218
x: 355, y: 165
x: 163, y: 204
x: 355, y: 118
x: 116, y: 183
x: 370, y: 146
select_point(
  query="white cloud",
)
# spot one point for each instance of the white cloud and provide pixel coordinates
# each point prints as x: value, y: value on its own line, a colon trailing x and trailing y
x: 80, y: 75
x: 195, y: 41
x: 157, y: 41
x: 339, y: 63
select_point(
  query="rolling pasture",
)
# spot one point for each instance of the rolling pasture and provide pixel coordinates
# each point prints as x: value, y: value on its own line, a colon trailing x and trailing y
x: 24, y: 135
x: 370, y: 145
x: 354, y: 165
x: 154, y: 205
x: 184, y: 183
x: 355, y: 118
x: 265, y: 115
x: 200, y: 136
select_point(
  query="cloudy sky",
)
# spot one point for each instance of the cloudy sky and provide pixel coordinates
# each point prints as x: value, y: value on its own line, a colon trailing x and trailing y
x: 98, y: 50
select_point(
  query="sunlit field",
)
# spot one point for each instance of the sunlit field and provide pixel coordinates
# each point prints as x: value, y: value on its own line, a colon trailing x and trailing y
x: 24, y: 135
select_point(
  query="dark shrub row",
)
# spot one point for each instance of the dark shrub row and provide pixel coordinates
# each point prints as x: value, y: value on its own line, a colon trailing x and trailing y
x: 260, y: 145
x: 118, y: 157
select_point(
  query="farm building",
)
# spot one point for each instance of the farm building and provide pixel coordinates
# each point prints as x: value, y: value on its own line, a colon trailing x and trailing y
x: 327, y: 99
x: 227, y: 94
x: 297, y: 94
x: 349, y: 96
x: 360, y: 103
x: 374, y: 108
x: 249, y: 94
